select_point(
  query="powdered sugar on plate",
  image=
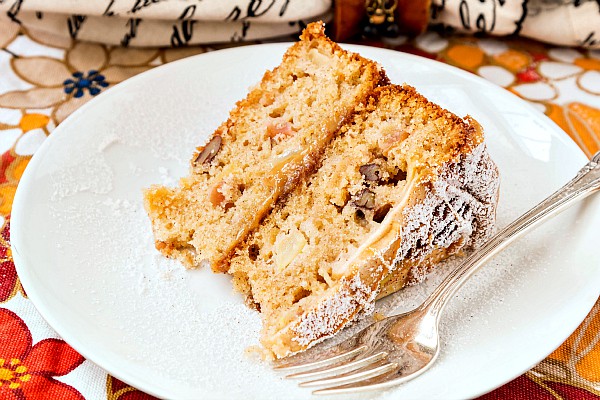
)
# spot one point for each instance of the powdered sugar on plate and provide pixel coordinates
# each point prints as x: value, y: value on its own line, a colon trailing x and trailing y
x: 74, y: 178
x: 130, y: 287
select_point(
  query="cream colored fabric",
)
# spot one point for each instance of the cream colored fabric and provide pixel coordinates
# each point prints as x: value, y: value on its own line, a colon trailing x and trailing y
x: 150, y: 23
x: 164, y: 22
x: 563, y: 22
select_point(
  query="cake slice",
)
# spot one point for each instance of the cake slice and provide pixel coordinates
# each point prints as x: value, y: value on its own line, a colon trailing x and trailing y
x: 271, y: 141
x: 404, y: 185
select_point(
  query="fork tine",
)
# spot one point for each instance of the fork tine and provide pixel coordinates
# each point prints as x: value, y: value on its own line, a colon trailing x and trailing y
x: 316, y: 357
x: 352, y: 377
x: 351, y: 366
x: 382, y: 381
x: 323, y: 362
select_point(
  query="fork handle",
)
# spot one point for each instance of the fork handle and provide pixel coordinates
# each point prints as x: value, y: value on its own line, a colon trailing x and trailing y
x: 586, y: 182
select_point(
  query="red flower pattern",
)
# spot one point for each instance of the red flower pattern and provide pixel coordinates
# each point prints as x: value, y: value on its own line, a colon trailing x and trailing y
x: 5, y: 160
x: 27, y: 372
x: 9, y: 283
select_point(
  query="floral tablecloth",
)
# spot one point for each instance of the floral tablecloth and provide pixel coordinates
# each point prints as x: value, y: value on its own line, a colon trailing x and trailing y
x: 43, y: 79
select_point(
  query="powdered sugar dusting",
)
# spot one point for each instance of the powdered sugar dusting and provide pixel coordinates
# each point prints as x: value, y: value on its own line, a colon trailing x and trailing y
x: 107, y: 141
x: 75, y: 178
x: 198, y: 324
x: 166, y: 178
x: 458, y: 209
x: 459, y: 204
x: 349, y: 297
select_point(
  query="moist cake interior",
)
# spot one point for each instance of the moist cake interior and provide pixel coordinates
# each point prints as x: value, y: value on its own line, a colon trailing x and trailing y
x: 332, y: 226
x: 271, y: 141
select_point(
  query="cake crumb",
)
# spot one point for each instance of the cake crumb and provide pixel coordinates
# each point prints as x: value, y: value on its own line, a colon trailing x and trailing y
x: 258, y: 353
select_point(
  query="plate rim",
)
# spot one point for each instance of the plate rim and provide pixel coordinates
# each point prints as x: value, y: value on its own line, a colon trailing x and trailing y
x: 18, y: 209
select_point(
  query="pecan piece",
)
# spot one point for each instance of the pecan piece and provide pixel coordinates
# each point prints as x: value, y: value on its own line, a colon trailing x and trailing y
x: 370, y: 172
x: 253, y: 251
x: 365, y: 199
x: 210, y: 151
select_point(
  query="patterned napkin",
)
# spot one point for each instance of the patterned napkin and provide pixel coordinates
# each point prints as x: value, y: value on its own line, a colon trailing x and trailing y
x: 566, y: 23
x: 144, y: 23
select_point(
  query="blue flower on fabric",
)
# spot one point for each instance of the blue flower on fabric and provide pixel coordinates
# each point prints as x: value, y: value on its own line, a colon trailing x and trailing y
x: 93, y: 82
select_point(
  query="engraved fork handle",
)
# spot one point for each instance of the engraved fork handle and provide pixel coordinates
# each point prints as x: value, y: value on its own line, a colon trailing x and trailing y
x: 586, y: 182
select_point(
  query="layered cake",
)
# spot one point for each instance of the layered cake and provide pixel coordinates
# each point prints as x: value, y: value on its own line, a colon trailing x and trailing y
x: 271, y: 142
x: 403, y: 185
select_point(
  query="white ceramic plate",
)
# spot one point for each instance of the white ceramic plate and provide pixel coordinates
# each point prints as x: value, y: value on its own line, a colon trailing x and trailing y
x: 84, y: 252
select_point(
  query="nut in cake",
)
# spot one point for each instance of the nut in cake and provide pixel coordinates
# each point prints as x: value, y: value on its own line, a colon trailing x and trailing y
x: 405, y: 184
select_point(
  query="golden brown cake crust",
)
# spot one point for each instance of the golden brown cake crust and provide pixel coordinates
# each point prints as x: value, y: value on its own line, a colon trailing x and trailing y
x: 271, y: 141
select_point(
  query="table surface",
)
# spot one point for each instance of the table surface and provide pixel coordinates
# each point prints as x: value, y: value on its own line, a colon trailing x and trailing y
x: 44, y: 79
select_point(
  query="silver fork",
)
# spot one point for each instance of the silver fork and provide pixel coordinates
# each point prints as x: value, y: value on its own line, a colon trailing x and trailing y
x: 401, y: 347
